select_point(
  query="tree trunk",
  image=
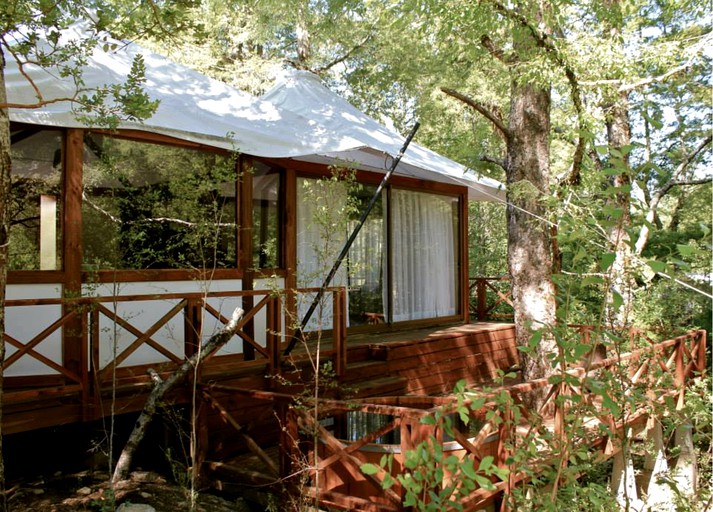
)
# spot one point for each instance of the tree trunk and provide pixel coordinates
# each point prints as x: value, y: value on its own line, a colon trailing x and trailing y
x: 212, y: 345
x: 529, y: 247
x: 4, y: 239
x: 621, y: 283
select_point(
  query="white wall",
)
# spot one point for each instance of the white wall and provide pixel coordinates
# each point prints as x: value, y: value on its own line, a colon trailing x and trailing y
x: 25, y: 322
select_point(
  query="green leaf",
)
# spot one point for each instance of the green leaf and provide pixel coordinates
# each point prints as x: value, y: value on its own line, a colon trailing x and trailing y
x: 370, y: 469
x: 685, y: 250
x: 609, y: 403
x: 486, y: 463
x: 607, y: 260
x: 428, y: 420
x: 656, y: 266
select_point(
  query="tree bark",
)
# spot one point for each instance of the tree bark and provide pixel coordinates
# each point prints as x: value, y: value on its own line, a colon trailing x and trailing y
x: 529, y: 247
x: 5, y: 164
x: 212, y: 345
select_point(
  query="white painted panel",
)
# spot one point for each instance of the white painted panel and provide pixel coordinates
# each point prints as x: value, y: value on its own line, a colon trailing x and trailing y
x: 25, y: 322
x: 143, y: 314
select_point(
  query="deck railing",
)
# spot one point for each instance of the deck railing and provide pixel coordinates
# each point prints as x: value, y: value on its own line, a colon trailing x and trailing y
x: 660, y: 370
x: 112, y: 341
x: 489, y: 298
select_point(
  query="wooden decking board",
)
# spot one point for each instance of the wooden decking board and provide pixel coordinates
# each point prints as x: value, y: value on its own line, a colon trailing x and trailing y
x: 435, y: 350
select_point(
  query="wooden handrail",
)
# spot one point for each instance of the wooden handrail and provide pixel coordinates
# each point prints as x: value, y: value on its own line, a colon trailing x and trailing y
x: 481, y: 309
x: 192, y: 305
x: 683, y: 357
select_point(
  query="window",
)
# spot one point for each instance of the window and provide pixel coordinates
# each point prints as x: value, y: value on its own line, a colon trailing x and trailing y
x: 150, y: 206
x: 35, y: 204
x: 367, y: 261
x: 266, y: 216
x: 424, y: 256
x: 422, y: 250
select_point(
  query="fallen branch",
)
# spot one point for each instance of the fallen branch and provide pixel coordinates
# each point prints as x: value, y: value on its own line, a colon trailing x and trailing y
x: 211, y: 346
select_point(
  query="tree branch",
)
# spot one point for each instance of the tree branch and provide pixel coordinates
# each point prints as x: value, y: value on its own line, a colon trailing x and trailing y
x: 212, y: 345
x: 490, y: 114
x: 492, y: 160
x: 344, y: 57
x: 545, y: 42
x: 656, y: 198
x: 496, y: 51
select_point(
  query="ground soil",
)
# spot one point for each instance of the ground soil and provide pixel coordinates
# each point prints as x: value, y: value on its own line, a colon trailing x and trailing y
x: 89, y: 491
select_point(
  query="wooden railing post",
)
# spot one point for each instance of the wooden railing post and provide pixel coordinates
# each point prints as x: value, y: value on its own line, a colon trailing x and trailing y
x: 274, y: 335
x: 84, y: 374
x: 480, y: 290
x: 701, y: 352
x: 506, y: 432
x: 339, y: 332
x: 680, y: 377
x: 95, y: 364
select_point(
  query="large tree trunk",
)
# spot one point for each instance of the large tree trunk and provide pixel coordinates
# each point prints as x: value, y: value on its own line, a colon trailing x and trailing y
x: 4, y: 238
x: 619, y: 138
x: 621, y: 284
x: 529, y: 247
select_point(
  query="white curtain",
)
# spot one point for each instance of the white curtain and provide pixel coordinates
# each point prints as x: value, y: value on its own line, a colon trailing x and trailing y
x: 423, y: 256
x: 321, y: 234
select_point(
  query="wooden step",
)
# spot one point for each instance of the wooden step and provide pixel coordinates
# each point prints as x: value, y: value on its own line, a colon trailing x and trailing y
x: 363, y: 370
x: 394, y: 386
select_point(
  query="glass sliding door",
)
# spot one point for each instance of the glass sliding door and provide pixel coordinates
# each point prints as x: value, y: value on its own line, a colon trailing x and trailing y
x: 424, y: 255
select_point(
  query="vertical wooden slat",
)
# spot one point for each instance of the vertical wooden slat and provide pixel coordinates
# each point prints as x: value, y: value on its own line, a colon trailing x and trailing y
x: 72, y: 339
x: 94, y: 340
x: 86, y: 382
x: 701, y: 353
x: 463, y: 274
x: 273, y: 337
x: 245, y: 244
x: 202, y: 444
x: 506, y: 432
x: 192, y: 326
x: 289, y: 221
x: 680, y: 373
x: 340, y: 332
x: 481, y: 290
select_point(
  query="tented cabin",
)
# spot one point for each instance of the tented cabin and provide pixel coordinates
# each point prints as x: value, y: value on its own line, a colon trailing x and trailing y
x: 130, y: 245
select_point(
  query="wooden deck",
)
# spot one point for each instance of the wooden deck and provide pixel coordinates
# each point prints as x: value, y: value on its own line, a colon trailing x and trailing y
x: 375, y: 365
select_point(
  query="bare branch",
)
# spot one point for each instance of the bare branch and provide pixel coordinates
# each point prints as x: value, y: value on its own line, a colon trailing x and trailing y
x: 496, y: 51
x: 492, y: 160
x: 489, y: 113
x: 685, y: 183
x: 344, y: 57
x: 656, y: 198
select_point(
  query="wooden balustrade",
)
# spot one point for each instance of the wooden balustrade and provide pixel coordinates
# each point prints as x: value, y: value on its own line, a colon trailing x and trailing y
x: 105, y: 365
x: 486, y: 295
x: 664, y: 369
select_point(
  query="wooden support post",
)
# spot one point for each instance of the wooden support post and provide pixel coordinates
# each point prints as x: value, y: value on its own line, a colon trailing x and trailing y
x: 657, y: 494
x: 72, y: 249
x: 680, y: 376
x: 505, y: 433
x: 685, y: 472
x: 274, y: 333
x: 701, y: 353
x: 623, y: 481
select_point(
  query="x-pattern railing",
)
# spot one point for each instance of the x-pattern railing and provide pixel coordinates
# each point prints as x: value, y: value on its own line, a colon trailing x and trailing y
x: 505, y: 423
x: 81, y: 320
x: 481, y: 290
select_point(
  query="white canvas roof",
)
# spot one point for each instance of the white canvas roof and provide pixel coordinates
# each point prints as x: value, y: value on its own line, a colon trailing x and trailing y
x: 299, y: 118
x: 304, y: 93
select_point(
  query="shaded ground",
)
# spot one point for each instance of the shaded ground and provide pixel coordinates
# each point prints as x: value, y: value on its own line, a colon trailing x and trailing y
x: 89, y: 491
